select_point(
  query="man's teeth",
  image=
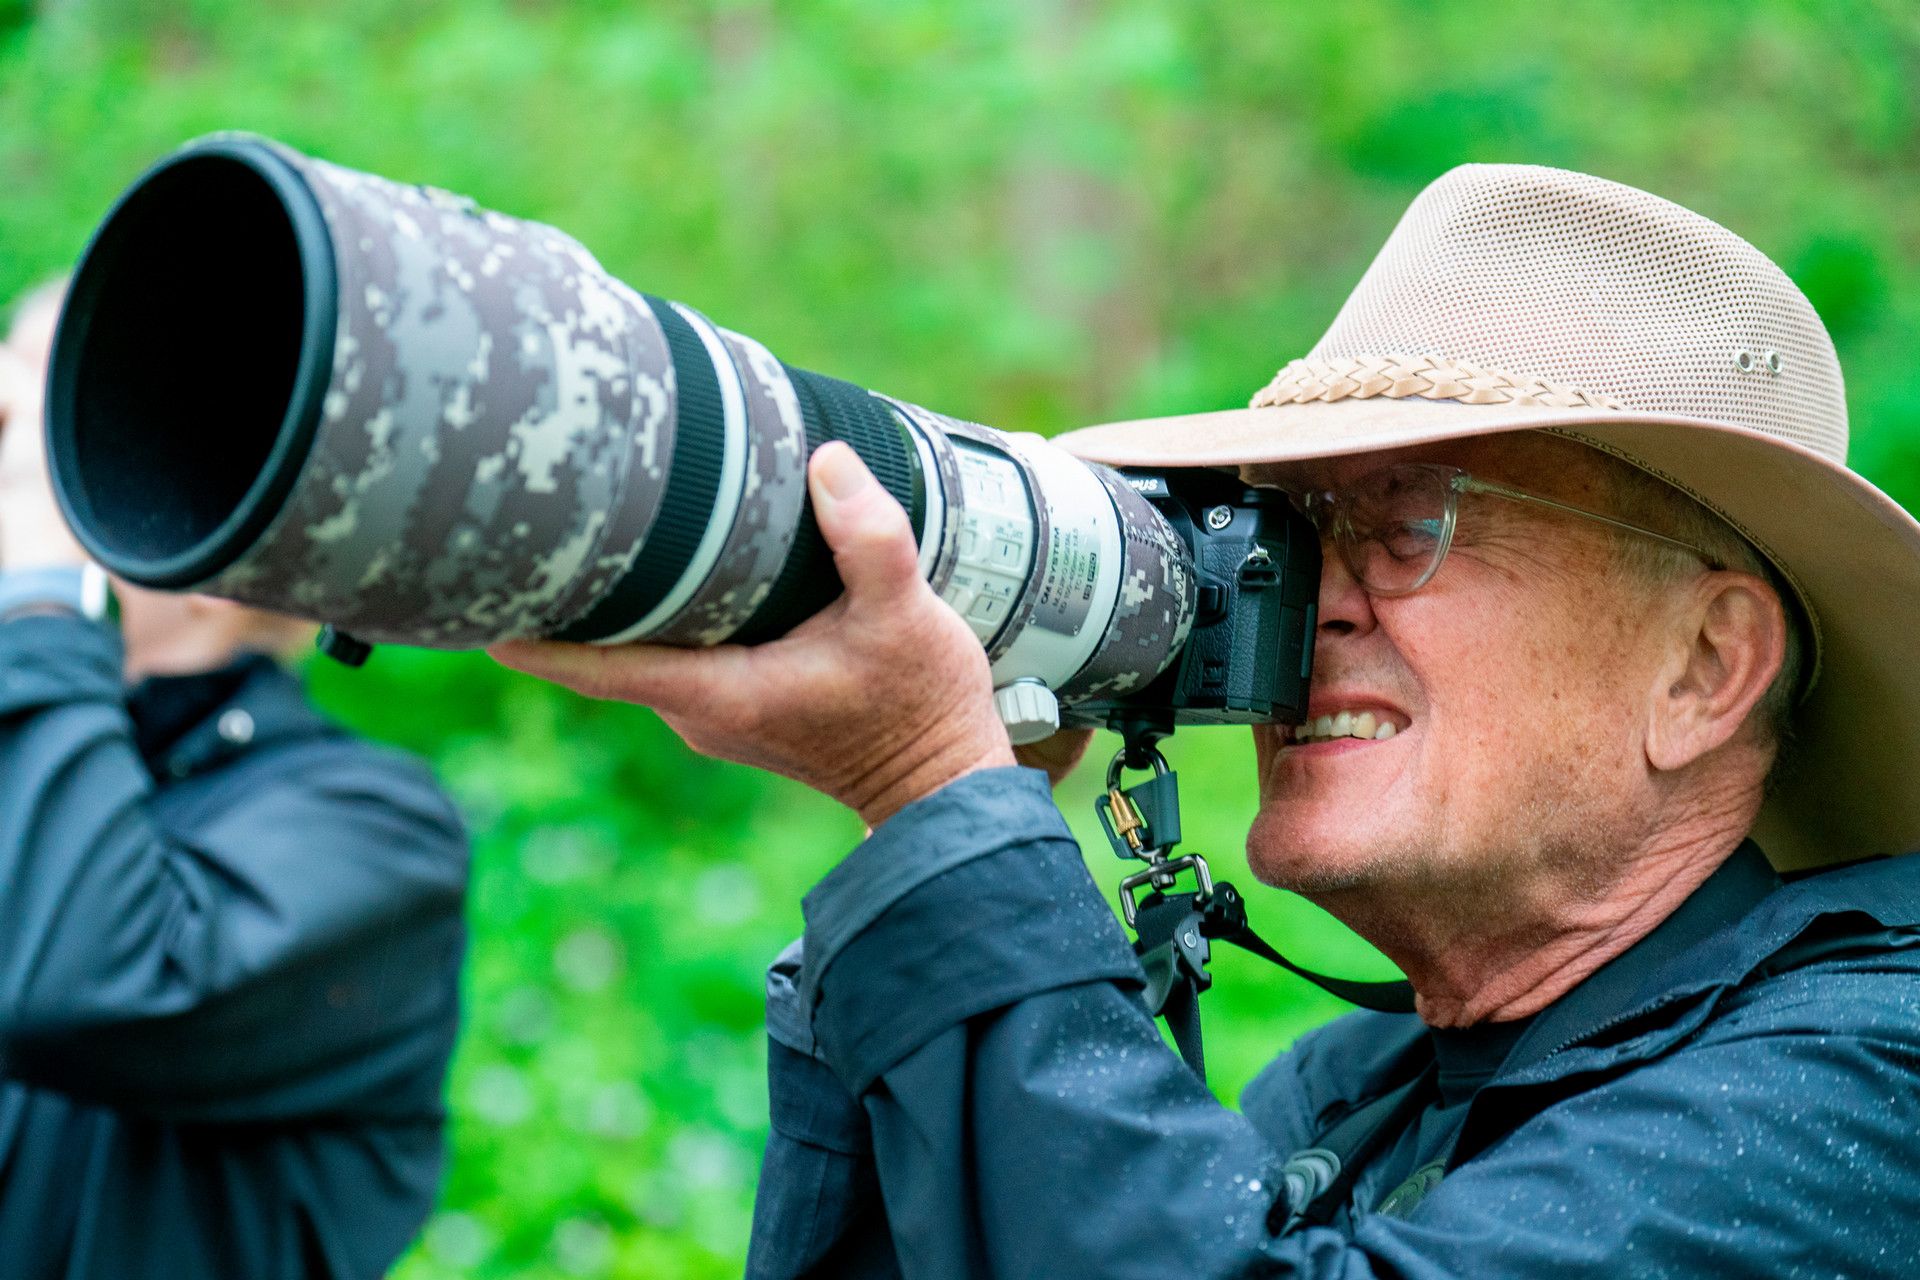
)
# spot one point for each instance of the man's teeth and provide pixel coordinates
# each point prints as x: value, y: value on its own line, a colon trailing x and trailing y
x: 1345, y: 725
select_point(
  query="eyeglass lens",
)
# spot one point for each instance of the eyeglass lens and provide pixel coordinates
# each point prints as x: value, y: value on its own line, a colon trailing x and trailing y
x: 1392, y: 528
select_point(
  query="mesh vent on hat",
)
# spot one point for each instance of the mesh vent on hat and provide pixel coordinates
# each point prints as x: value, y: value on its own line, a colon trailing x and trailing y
x: 1586, y: 282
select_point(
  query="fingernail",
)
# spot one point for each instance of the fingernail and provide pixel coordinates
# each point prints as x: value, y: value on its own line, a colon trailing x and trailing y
x: 841, y: 472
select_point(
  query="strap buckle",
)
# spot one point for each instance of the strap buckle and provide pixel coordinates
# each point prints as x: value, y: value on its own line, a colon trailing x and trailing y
x: 1161, y: 876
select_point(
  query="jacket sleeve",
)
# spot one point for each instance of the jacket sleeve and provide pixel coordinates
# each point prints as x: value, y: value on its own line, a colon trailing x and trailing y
x: 967, y: 983
x: 298, y: 957
x: 819, y: 1211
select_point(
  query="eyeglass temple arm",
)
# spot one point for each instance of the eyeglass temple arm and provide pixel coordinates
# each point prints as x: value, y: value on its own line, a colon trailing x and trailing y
x: 1474, y: 484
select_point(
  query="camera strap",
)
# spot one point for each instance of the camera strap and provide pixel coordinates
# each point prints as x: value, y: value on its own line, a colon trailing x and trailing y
x: 1174, y: 931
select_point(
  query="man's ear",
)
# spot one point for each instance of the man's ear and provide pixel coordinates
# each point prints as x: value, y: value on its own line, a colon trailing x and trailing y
x: 1729, y: 639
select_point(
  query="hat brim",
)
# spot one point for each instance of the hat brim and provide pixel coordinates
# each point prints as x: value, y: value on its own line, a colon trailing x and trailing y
x: 1848, y: 791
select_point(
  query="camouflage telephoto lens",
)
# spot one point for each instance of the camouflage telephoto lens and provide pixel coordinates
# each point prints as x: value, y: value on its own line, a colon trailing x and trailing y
x: 377, y: 405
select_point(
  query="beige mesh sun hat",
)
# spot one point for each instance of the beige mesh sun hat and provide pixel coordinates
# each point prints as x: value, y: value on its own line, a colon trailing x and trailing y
x: 1515, y: 298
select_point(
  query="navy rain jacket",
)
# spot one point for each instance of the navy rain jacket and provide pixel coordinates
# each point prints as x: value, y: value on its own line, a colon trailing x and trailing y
x: 965, y: 1083
x: 227, y: 978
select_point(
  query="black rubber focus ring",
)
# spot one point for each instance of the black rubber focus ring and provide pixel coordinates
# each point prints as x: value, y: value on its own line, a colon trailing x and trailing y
x: 693, y: 482
x: 835, y: 410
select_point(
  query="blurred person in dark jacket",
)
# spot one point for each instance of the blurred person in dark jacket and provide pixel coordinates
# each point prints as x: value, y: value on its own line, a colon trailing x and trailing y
x: 231, y: 933
x: 1613, y: 730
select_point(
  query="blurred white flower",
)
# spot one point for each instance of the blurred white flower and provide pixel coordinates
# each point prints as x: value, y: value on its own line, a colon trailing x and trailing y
x: 703, y: 1158
x: 458, y: 1239
x: 727, y: 894
x: 499, y: 1095
x: 555, y: 855
x: 587, y: 959
x: 614, y: 1110
x: 582, y: 1246
x: 525, y: 1016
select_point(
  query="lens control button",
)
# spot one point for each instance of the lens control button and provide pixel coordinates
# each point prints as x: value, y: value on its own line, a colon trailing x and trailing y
x: 988, y: 609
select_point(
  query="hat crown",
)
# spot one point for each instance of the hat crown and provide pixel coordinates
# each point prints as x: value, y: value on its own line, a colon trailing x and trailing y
x: 1586, y: 282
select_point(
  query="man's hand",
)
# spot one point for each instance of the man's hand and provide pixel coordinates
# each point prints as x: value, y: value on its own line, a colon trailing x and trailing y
x: 884, y: 697
x: 33, y: 535
x: 1058, y: 755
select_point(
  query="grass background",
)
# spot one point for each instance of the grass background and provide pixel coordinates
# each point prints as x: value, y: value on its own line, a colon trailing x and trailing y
x: 1035, y: 213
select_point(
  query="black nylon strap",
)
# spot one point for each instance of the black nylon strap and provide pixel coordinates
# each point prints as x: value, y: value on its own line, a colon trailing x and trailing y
x: 1355, y: 1141
x: 1173, y: 930
x: 1226, y: 919
x: 1182, y: 1012
x: 1382, y: 997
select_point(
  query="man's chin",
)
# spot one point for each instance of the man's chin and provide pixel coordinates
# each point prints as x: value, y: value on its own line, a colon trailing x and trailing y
x: 1310, y: 859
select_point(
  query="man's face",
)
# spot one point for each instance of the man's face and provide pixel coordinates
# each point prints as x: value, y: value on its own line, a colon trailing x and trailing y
x: 1518, y: 681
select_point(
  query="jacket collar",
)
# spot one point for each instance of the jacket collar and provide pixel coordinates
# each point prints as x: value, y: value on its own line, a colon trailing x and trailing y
x: 1729, y: 928
x: 251, y: 704
x: 1661, y: 965
x: 1667, y: 985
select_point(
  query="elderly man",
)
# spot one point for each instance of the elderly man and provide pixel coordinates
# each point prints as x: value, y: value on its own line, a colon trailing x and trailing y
x: 230, y: 962
x: 1644, y: 644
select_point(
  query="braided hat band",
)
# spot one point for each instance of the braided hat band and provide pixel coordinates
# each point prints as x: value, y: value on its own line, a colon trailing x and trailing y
x: 1428, y: 377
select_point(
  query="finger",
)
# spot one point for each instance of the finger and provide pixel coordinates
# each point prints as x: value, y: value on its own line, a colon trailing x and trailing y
x: 872, y: 541
x: 656, y: 676
x: 1058, y: 754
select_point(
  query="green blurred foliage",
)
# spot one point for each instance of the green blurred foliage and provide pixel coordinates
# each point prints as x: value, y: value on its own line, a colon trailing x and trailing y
x: 1037, y: 213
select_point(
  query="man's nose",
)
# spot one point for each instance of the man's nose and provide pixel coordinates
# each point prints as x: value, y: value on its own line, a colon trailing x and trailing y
x: 1345, y: 607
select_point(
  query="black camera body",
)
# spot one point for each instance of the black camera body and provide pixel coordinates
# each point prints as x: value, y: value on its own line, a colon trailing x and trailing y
x: 1249, y: 657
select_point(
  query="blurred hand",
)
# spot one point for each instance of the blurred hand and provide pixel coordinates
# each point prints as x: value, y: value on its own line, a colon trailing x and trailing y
x: 882, y: 698
x: 1058, y: 755
x: 32, y: 533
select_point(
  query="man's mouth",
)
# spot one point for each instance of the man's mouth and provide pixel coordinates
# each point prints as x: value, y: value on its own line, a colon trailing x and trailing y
x: 1366, y: 726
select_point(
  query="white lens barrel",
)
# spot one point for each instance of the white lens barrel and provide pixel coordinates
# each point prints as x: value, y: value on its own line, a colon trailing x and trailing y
x: 1079, y: 570
x: 1071, y: 580
x: 996, y: 540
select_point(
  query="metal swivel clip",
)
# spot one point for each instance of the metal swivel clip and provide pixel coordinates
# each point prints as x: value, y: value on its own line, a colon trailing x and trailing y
x: 1143, y: 821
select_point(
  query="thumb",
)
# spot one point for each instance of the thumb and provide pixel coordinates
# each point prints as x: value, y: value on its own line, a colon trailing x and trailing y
x: 872, y: 541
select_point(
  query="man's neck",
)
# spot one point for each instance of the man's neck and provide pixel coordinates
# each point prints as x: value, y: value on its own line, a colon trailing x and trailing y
x: 1520, y: 942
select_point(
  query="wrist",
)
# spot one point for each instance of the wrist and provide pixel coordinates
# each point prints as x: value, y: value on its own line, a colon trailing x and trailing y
x: 927, y: 772
x: 33, y: 535
x: 77, y: 589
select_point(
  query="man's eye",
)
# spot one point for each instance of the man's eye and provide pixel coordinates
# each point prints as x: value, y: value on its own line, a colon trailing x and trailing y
x: 1409, y: 539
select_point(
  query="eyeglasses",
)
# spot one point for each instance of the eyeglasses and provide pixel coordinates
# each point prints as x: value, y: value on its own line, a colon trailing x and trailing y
x: 1393, y: 526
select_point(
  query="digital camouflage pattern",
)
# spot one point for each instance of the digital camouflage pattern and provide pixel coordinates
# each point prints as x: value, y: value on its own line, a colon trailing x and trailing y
x: 495, y: 439
x: 1154, y: 609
